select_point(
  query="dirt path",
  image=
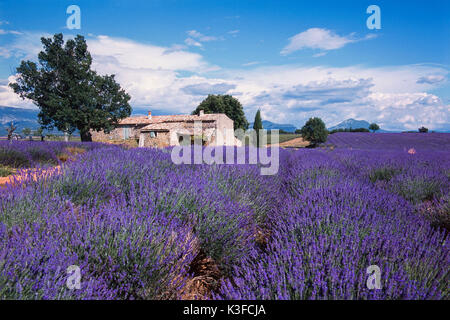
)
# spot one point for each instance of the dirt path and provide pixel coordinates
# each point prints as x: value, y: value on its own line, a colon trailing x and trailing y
x: 294, y: 143
x: 23, y: 175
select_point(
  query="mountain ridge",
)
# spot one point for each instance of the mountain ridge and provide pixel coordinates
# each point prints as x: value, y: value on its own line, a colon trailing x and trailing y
x: 269, y: 125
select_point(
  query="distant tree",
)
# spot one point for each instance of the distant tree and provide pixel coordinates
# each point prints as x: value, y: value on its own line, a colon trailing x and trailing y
x: 224, y: 104
x: 40, y: 133
x: 69, y: 94
x: 298, y: 131
x: 314, y: 131
x: 11, y: 130
x: 27, y: 132
x: 257, y: 125
x: 374, y: 127
x: 348, y: 130
x: 423, y: 129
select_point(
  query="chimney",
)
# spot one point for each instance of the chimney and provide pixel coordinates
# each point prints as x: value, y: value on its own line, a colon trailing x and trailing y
x: 202, y: 113
x: 149, y: 117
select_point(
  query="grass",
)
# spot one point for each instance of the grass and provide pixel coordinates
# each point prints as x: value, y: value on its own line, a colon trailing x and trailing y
x: 129, y: 143
x: 285, y: 137
x: 282, y: 137
x: 6, y: 171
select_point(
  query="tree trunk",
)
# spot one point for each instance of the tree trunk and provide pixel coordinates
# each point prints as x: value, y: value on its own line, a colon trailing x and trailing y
x: 85, y: 136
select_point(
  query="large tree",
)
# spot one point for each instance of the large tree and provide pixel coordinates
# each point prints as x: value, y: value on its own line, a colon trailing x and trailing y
x: 69, y: 94
x: 314, y: 131
x: 224, y: 104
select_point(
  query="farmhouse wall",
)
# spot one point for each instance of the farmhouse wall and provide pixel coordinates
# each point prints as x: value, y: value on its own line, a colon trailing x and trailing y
x: 161, y: 140
x: 117, y: 134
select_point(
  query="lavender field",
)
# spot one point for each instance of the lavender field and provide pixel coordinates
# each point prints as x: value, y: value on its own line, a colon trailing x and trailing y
x: 140, y: 227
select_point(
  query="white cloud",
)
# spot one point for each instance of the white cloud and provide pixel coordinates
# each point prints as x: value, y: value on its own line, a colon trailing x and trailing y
x: 251, y: 63
x: 431, y: 79
x: 196, y: 38
x: 9, y: 98
x: 192, y: 42
x: 320, y: 54
x: 203, y: 89
x: 317, y: 38
x: 201, y: 37
x: 2, y: 32
x: 134, y: 55
x: 233, y: 33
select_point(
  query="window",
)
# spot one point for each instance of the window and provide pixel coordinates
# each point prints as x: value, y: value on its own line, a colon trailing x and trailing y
x: 152, y: 134
x: 126, y: 133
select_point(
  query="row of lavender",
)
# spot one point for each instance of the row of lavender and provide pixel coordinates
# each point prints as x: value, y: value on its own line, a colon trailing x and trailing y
x: 390, y: 141
x: 26, y: 154
x: 134, y: 223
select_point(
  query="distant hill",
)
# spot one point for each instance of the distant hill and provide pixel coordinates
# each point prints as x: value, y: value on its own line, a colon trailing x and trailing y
x: 23, y: 118
x: 354, y: 124
x: 268, y: 125
x: 351, y: 124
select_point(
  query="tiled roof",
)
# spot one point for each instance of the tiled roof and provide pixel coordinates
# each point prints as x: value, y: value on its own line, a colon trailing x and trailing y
x: 173, y: 118
x: 166, y: 126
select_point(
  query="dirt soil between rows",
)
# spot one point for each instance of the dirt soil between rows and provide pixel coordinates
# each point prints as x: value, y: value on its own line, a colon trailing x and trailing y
x: 17, y: 178
x: 294, y: 143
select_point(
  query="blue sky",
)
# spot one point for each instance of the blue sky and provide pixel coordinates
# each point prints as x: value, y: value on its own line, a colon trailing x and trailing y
x: 291, y: 59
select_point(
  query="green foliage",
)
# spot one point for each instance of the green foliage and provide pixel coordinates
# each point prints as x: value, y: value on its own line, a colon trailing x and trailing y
x: 5, y: 171
x: 383, y: 174
x: 314, y: 131
x: 224, y: 104
x: 69, y: 94
x: 374, y: 127
x: 257, y: 125
x: 26, y: 132
x: 40, y: 133
x: 349, y: 130
x: 423, y: 129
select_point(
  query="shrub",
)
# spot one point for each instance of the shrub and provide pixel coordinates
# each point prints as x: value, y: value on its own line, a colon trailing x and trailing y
x: 374, y: 127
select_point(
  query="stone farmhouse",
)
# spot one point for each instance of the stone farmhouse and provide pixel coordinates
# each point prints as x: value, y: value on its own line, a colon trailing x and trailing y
x: 163, y: 131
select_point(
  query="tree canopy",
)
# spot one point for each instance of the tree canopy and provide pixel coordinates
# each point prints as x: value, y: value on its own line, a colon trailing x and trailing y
x: 374, y: 127
x: 69, y: 94
x: 224, y: 104
x: 314, y: 131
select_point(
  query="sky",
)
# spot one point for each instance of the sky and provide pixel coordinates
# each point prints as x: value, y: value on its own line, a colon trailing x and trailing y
x: 291, y: 59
